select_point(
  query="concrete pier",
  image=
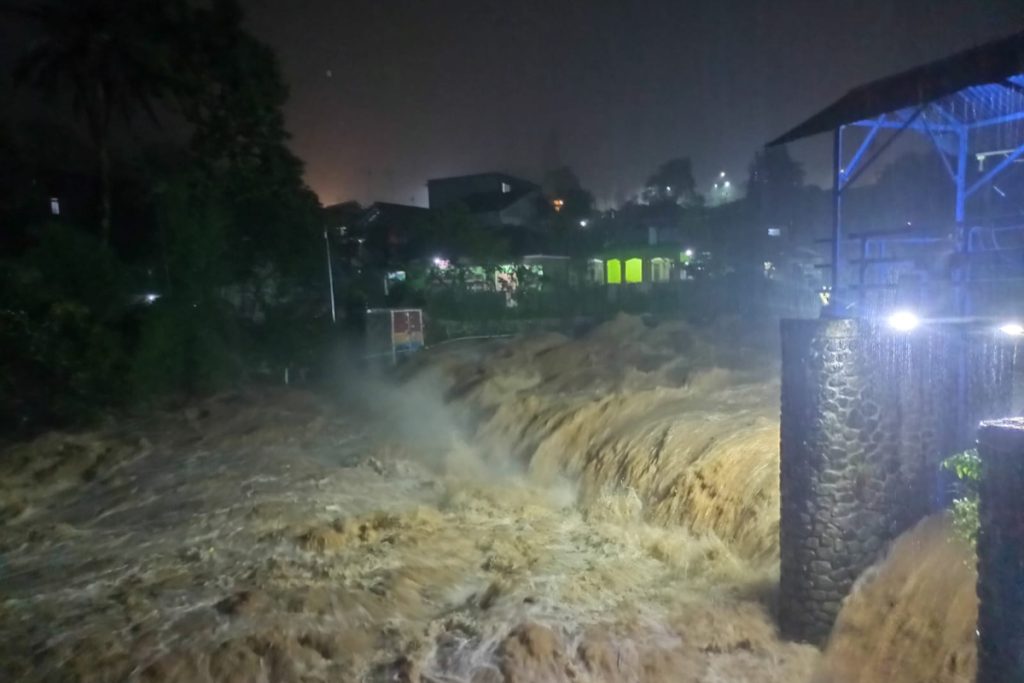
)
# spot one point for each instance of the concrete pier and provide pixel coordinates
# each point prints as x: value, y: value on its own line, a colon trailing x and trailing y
x: 839, y: 440
x: 1001, y: 552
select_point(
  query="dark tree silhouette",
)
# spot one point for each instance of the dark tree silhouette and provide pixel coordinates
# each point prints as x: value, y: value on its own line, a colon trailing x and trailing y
x: 234, y: 100
x: 773, y: 171
x: 563, y: 183
x: 111, y: 58
x: 673, y: 181
x: 775, y: 187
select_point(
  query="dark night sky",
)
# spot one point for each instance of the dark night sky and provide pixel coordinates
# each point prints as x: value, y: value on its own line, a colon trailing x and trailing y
x: 388, y: 93
x: 427, y: 88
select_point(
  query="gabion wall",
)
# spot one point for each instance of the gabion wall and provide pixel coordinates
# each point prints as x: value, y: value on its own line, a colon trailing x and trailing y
x: 1001, y: 552
x: 867, y: 416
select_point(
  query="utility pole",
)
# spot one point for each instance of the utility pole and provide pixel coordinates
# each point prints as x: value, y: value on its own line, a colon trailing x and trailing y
x: 330, y: 277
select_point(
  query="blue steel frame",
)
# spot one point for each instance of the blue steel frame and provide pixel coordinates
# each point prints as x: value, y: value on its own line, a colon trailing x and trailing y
x: 844, y: 175
x: 944, y: 124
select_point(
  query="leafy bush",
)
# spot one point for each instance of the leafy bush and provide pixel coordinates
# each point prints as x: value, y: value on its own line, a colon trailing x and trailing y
x: 967, y: 468
x: 188, y: 343
x: 185, y: 348
x: 62, y: 346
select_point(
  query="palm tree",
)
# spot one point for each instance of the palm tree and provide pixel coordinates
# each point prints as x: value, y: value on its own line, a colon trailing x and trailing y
x: 111, y: 57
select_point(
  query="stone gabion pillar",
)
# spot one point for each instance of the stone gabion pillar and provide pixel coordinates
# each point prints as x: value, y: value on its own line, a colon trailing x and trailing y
x: 1001, y: 552
x: 868, y: 415
x: 839, y: 454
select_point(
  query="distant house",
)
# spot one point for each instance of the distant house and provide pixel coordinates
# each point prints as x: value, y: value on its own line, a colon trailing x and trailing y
x: 341, y: 218
x: 494, y: 199
x: 390, y: 229
x: 642, y: 265
x: 379, y: 234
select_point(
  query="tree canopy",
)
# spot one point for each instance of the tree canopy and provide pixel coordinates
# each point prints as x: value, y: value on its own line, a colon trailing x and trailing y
x: 673, y: 181
x: 111, y: 59
x: 193, y: 241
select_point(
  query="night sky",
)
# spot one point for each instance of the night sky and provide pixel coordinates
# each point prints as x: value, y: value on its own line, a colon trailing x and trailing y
x: 388, y: 93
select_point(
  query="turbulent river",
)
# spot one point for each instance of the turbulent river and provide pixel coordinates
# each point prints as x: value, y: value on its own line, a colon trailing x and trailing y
x: 546, y: 509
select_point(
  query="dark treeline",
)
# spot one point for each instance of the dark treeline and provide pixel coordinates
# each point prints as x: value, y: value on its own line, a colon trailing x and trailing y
x: 158, y: 238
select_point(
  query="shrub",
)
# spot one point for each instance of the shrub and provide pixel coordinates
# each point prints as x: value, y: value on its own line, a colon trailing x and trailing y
x: 188, y: 343
x: 62, y: 349
x: 967, y: 468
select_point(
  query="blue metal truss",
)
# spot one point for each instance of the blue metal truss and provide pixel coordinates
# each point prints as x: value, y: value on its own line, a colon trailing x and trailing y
x: 950, y: 125
x: 996, y: 170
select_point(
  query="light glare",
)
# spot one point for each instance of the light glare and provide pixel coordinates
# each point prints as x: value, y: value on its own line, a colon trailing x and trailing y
x: 1012, y: 329
x: 903, y: 321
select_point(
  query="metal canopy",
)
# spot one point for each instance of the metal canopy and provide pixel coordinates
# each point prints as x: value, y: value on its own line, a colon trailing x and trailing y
x: 971, y: 103
x: 975, y: 85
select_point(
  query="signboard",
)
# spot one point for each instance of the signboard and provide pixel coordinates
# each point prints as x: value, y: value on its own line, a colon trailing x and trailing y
x: 393, y: 332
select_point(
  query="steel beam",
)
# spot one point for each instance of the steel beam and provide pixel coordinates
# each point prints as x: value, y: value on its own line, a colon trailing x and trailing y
x: 997, y: 120
x: 961, y: 175
x: 894, y: 125
x: 837, y: 210
x: 941, y: 152
x: 954, y: 122
x: 885, y: 145
x: 996, y: 170
x: 851, y: 167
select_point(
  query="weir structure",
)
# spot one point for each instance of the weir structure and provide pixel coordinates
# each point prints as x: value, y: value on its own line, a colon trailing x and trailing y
x: 869, y: 411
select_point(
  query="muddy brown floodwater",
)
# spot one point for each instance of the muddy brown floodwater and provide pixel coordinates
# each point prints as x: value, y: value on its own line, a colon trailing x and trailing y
x: 598, y: 509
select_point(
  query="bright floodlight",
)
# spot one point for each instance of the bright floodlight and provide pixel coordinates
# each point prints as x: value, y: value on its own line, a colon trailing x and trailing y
x: 1012, y: 329
x: 903, y: 321
x: 688, y: 253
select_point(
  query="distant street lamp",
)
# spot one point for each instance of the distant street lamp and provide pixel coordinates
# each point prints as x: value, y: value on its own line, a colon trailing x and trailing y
x: 721, y: 190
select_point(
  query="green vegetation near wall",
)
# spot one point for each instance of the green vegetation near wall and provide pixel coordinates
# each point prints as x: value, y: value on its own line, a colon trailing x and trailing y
x: 966, y: 466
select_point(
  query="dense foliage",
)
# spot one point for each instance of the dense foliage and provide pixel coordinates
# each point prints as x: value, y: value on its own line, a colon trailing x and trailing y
x: 62, y: 351
x: 173, y: 267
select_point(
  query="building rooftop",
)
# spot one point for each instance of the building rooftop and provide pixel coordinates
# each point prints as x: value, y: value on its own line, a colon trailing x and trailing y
x: 485, y: 202
x: 387, y: 211
x: 497, y: 175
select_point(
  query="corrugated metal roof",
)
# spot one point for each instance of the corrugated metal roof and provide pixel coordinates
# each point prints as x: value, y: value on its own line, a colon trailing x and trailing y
x: 973, y: 86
